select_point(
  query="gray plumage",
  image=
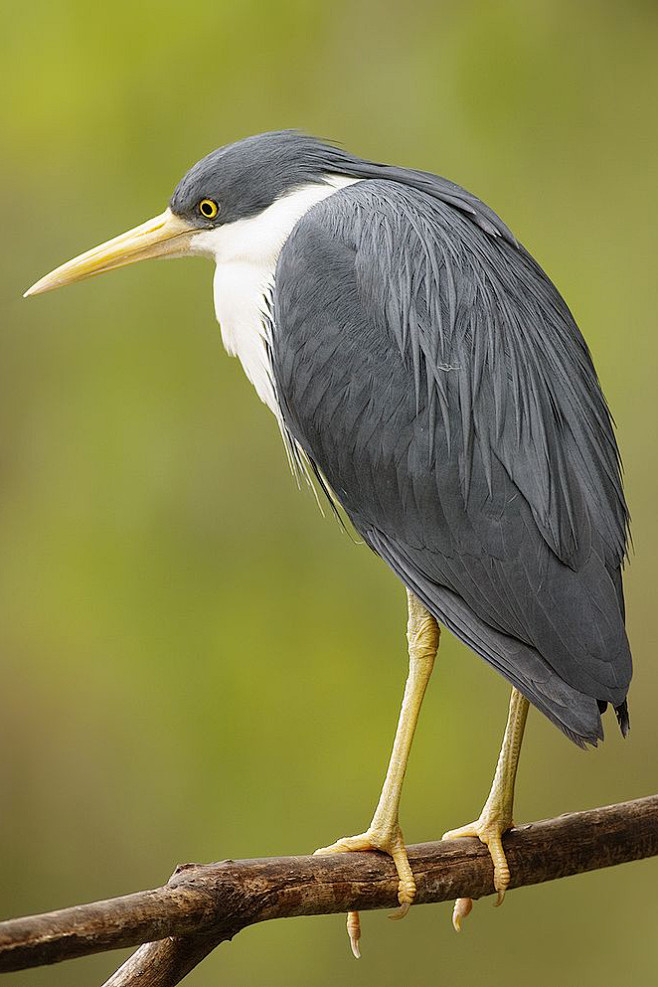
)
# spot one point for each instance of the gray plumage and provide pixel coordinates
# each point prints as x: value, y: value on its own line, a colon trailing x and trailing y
x: 434, y: 376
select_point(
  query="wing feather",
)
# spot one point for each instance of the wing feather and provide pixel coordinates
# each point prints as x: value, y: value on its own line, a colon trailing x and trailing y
x: 433, y: 373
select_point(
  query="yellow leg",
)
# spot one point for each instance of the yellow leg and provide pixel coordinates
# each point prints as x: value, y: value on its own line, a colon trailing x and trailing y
x: 384, y: 831
x: 496, y: 816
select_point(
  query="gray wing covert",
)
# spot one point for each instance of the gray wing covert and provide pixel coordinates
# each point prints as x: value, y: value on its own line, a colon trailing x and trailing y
x: 436, y: 378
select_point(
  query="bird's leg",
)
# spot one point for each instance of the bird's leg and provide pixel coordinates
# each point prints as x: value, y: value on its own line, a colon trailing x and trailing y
x: 384, y: 831
x: 496, y: 816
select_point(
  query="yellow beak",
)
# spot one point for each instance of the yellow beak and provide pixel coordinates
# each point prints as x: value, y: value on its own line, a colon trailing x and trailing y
x: 166, y: 235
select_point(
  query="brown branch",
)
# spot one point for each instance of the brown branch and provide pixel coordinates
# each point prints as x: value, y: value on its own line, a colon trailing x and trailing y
x: 203, y: 905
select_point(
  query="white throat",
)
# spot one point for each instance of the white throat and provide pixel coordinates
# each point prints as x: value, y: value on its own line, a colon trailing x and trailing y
x: 246, y: 253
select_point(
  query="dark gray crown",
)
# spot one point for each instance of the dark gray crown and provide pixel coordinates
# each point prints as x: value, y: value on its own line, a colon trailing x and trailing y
x: 246, y: 177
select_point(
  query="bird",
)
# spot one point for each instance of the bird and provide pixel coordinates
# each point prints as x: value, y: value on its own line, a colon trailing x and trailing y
x: 429, y: 379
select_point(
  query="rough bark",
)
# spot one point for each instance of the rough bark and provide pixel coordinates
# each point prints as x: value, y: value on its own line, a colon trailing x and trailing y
x: 204, y: 905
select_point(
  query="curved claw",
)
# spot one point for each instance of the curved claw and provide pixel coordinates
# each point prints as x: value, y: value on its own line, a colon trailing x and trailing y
x: 401, y: 911
x: 354, y: 933
x: 462, y: 908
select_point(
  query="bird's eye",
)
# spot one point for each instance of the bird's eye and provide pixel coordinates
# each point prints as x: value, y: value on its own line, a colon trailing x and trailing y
x: 208, y: 208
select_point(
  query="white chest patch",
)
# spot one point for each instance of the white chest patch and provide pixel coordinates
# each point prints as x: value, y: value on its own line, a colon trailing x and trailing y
x: 245, y: 254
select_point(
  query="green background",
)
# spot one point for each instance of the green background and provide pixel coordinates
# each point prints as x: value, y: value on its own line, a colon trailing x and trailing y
x: 194, y: 664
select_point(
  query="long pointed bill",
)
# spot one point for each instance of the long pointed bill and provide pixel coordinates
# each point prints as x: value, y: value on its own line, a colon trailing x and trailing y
x: 166, y: 235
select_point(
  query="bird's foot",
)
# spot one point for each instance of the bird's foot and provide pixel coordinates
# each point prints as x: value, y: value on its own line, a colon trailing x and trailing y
x: 489, y: 829
x: 496, y: 816
x: 387, y: 841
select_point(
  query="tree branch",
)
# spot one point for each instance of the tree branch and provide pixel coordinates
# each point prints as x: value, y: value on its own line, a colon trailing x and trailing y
x: 204, y: 905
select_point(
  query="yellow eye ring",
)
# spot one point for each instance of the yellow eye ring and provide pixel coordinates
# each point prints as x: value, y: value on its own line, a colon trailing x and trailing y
x: 208, y: 208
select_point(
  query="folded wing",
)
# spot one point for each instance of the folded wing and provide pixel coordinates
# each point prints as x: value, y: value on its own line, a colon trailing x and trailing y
x: 436, y: 378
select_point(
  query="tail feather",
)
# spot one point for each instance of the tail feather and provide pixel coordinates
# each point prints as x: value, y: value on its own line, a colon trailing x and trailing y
x: 623, y: 717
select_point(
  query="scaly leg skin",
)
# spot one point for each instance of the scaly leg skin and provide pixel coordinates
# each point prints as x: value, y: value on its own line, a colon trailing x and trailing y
x: 384, y: 832
x: 496, y: 816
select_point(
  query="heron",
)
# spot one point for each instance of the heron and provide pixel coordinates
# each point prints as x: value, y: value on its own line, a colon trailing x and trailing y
x: 429, y: 379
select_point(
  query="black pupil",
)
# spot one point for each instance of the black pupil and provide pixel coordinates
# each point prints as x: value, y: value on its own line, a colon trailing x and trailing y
x: 207, y: 208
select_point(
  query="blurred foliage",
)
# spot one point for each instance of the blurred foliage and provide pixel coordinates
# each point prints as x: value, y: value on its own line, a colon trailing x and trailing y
x: 194, y: 664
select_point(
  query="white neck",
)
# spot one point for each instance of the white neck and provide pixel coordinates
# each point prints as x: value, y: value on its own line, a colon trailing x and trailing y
x: 246, y: 253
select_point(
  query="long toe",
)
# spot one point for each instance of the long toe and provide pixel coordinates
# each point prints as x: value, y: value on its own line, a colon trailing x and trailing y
x: 347, y: 844
x: 500, y: 865
x: 471, y: 829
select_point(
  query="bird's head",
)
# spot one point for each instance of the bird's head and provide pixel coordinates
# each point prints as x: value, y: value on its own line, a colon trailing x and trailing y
x: 233, y: 183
